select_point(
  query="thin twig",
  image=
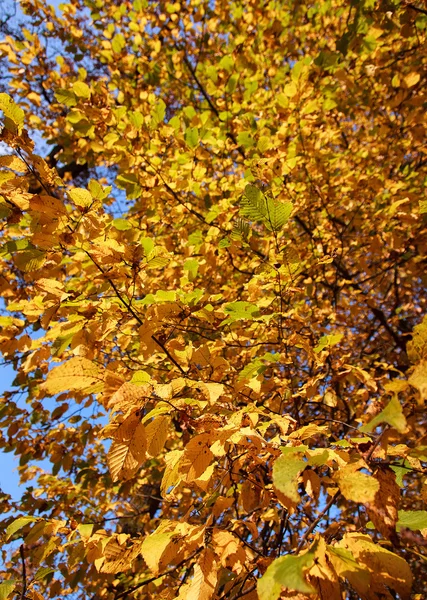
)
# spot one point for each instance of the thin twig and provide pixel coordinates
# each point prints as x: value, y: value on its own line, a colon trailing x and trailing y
x: 24, y: 572
x: 376, y: 443
x: 147, y: 581
x: 317, y: 521
x: 168, y: 354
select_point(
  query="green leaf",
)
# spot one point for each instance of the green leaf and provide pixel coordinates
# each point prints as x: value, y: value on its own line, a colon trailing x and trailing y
x: 310, y: 107
x: 255, y: 206
x: 66, y: 97
x: 147, y: 244
x: 13, y: 114
x: 245, y: 139
x: 97, y: 191
x: 157, y: 259
x: 255, y: 367
x: 158, y: 114
x: 118, y: 43
x: 15, y: 246
x: 6, y: 588
x: 43, y: 572
x: 264, y: 143
x: 286, y: 471
x: 327, y: 341
x: 285, y: 572
x: 136, y: 118
x: 224, y: 243
x: 18, y: 524
x: 140, y: 378
x: 30, y: 260
x: 192, y: 137
x: 165, y: 296
x: 226, y: 63
x: 81, y: 89
x: 240, y: 311
x: 191, y: 265
x: 278, y: 214
x: 121, y: 224
x: 392, y: 414
x: 412, y: 519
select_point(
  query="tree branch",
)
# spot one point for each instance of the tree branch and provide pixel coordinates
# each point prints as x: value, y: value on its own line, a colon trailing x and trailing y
x: 317, y: 521
x: 24, y: 572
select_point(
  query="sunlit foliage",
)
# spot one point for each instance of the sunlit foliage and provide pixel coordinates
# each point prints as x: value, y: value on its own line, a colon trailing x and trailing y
x: 213, y: 268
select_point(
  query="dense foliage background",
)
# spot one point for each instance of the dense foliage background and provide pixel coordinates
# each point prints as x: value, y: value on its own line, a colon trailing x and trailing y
x: 213, y: 273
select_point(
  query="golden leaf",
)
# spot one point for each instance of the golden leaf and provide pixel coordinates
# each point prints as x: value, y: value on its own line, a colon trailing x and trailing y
x: 205, y: 577
x: 129, y: 449
x: 157, y: 433
x: 196, y: 458
x: 77, y: 374
x: 387, y: 569
x: 383, y: 511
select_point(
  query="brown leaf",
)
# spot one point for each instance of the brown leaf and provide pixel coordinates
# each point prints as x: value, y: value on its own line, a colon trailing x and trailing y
x: 383, y: 512
x: 129, y: 449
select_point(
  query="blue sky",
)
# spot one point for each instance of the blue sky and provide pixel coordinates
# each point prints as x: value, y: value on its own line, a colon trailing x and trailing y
x: 9, y: 479
x: 8, y: 462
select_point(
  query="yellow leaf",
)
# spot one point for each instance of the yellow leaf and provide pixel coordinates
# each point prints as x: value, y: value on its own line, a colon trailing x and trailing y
x: 51, y: 286
x: 80, y: 197
x: 14, y: 115
x: 391, y: 414
x: 418, y: 379
x: 417, y: 347
x: 14, y: 163
x: 356, y: 486
x: 118, y: 558
x: 306, y: 432
x: 171, y: 476
x: 48, y: 205
x: 412, y: 79
x: 159, y: 548
x: 286, y: 472
x: 81, y: 89
x: 196, y: 458
x: 157, y: 434
x: 212, y: 390
x: 205, y: 577
x: 388, y: 570
x: 129, y: 449
x: 127, y: 395
x: 77, y: 374
x: 383, y: 512
x: 346, y: 567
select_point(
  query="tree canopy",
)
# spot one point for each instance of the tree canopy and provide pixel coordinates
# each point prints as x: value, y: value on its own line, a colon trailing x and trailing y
x: 213, y: 268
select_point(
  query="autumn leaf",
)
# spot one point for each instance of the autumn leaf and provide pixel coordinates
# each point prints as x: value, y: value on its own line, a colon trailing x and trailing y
x: 13, y: 114
x: 285, y: 572
x: 357, y: 486
x: 392, y: 415
x: 213, y: 249
x: 197, y: 457
x: 76, y: 374
x: 383, y: 512
x: 387, y: 569
x: 129, y: 448
x: 286, y: 472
